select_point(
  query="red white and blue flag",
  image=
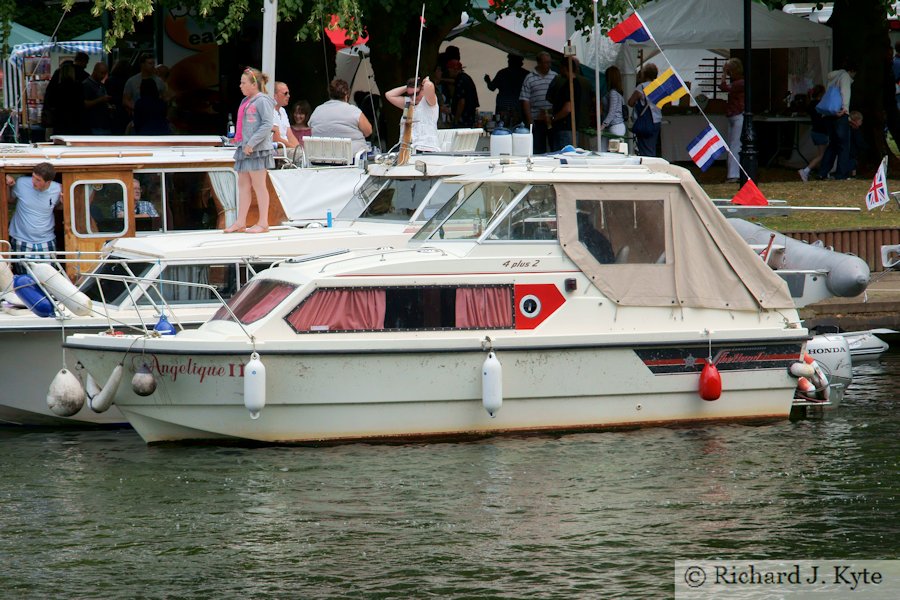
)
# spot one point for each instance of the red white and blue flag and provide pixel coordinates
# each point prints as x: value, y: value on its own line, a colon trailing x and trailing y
x: 878, y: 193
x: 706, y: 148
x: 633, y: 28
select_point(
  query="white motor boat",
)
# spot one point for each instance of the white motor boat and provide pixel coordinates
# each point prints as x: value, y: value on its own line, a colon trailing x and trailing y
x: 537, y: 299
x: 139, y: 278
x: 866, y: 345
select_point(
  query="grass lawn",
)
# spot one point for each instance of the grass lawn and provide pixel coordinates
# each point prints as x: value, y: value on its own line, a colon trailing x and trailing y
x: 779, y: 183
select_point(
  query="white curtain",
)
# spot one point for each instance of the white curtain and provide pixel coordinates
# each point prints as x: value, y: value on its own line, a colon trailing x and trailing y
x: 184, y: 293
x: 224, y: 184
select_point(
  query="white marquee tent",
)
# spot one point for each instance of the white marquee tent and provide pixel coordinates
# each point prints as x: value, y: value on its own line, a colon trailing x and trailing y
x: 719, y: 25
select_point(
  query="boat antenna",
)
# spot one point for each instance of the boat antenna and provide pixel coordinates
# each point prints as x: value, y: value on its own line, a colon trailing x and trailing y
x: 406, y: 142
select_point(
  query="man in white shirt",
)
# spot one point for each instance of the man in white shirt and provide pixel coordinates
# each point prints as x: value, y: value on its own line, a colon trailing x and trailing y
x: 32, y: 228
x: 281, y: 132
x: 132, y: 91
x: 536, y: 109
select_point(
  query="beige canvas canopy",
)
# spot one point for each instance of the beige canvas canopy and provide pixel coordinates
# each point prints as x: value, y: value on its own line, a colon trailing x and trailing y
x: 706, y: 263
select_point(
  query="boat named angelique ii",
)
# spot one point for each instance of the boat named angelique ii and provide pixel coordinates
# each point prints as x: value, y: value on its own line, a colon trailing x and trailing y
x: 537, y: 299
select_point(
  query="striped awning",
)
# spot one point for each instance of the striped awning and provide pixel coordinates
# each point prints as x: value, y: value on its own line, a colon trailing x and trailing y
x: 20, y: 51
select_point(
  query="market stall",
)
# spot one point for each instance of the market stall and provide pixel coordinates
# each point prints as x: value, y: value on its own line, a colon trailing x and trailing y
x: 28, y: 70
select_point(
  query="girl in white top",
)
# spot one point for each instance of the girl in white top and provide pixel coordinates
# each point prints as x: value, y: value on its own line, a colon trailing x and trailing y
x: 425, y: 114
x: 614, y: 121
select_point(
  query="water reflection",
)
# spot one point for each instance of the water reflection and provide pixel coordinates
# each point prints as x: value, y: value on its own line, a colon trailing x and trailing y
x: 600, y: 515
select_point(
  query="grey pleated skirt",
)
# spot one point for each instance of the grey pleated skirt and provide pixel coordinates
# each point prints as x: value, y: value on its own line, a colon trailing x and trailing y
x: 257, y: 161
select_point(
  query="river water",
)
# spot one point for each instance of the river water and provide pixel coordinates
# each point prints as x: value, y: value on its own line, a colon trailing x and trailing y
x: 98, y: 514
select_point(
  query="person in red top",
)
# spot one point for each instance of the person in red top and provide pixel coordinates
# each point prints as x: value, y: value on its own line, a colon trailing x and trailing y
x: 733, y: 83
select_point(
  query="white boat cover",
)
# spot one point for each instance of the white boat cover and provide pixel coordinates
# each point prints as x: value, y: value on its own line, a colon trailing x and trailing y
x: 309, y: 193
x: 730, y: 274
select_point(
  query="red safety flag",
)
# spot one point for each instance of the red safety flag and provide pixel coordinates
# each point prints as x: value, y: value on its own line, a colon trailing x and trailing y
x: 749, y: 195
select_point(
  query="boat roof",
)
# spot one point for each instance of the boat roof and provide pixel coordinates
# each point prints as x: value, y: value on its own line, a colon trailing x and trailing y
x: 583, y: 173
x: 14, y: 156
x: 217, y: 244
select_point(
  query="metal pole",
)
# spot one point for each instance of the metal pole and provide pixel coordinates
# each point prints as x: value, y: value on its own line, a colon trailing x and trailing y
x: 270, y: 24
x: 596, y: 36
x: 749, y: 158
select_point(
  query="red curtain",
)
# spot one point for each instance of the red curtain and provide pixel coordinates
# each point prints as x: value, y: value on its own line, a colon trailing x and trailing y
x: 340, y: 310
x: 484, y: 307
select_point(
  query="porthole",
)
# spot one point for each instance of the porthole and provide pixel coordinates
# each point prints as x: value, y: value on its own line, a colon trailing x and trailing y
x: 530, y: 306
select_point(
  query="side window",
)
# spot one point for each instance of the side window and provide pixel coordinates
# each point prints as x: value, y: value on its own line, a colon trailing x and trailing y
x: 195, y: 200
x: 404, y: 308
x: 221, y: 277
x: 184, y: 200
x: 94, y: 207
x: 533, y: 218
x: 148, y: 205
x: 255, y: 300
x: 623, y: 231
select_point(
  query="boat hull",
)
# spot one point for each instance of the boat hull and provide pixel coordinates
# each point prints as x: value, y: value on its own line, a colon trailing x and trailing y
x: 334, y: 397
x: 25, y: 382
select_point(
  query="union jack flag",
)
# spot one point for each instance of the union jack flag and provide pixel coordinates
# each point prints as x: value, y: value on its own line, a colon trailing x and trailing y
x: 878, y: 193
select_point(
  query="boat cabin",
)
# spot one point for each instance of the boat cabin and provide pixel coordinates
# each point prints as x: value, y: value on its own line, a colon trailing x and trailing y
x: 127, y: 186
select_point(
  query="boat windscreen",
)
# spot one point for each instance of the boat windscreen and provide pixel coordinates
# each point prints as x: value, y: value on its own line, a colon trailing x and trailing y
x: 388, y: 198
x: 109, y: 291
x: 473, y: 209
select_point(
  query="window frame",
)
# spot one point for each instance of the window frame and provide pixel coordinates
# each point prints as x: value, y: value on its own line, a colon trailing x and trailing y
x: 73, y: 203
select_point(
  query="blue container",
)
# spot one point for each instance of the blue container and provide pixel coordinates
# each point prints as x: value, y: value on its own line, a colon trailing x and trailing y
x: 328, y: 220
x: 33, y: 296
x: 164, y: 327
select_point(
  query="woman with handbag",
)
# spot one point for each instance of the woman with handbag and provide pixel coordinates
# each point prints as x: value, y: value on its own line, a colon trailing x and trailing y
x: 838, y: 122
x: 647, y: 116
x: 734, y: 110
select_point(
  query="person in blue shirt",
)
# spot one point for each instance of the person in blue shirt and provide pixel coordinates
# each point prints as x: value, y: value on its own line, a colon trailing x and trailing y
x: 32, y: 228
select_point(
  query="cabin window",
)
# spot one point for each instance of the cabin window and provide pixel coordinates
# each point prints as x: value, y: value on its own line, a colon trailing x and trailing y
x: 404, y: 308
x: 226, y: 279
x: 474, y: 209
x: 96, y: 208
x: 113, y: 291
x: 255, y: 301
x: 189, y: 200
x: 533, y: 217
x: 623, y: 231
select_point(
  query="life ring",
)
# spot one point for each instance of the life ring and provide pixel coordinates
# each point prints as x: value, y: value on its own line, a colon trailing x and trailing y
x: 59, y: 286
x: 819, y: 381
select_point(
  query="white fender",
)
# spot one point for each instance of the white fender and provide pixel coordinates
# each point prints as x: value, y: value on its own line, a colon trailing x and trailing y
x: 90, y: 387
x: 802, y: 369
x: 65, y: 396
x: 103, y: 400
x: 143, y: 383
x: 59, y: 286
x: 6, y: 277
x: 254, y: 386
x: 492, y: 384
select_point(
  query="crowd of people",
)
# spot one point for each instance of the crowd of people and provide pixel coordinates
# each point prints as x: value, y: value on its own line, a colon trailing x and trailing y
x: 547, y: 100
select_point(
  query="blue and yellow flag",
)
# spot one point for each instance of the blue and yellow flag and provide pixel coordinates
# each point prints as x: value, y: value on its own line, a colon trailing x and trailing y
x: 665, y: 88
